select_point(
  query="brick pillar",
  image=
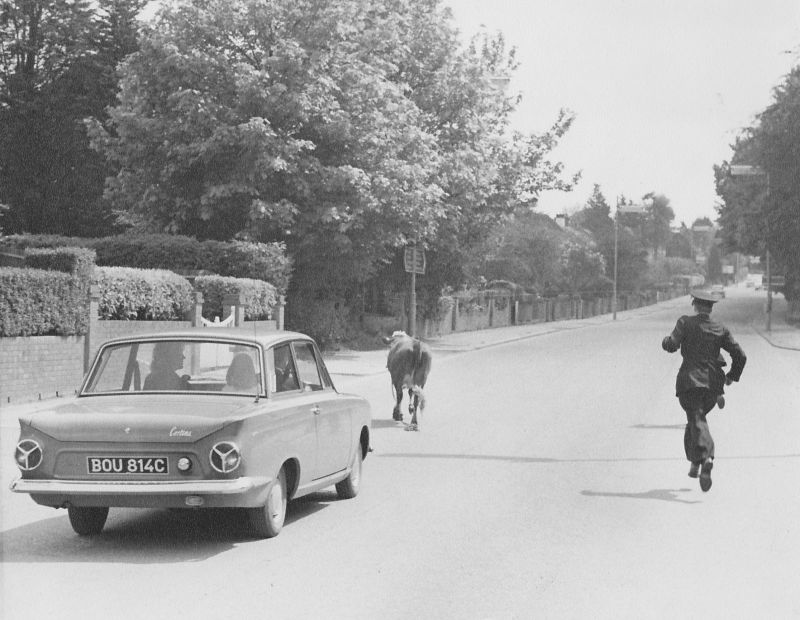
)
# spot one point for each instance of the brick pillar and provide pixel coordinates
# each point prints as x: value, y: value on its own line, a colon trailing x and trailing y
x: 232, y: 303
x: 91, y: 326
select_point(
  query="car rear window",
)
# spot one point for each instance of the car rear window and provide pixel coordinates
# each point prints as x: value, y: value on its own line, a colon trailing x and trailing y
x: 176, y: 366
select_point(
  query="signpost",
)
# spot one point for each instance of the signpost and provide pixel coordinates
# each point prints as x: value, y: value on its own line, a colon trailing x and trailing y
x: 414, y: 262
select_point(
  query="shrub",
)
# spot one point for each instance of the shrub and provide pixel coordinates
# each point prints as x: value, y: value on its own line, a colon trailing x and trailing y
x: 35, y: 302
x: 328, y: 321
x: 73, y: 260
x: 22, y: 242
x: 142, y: 294
x: 260, y: 261
x: 258, y: 297
x: 237, y: 259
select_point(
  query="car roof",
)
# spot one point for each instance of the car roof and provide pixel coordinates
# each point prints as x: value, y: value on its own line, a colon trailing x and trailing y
x: 245, y: 335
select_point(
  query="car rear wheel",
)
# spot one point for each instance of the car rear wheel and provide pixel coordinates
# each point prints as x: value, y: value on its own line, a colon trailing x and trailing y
x: 348, y: 488
x: 87, y: 521
x: 267, y: 520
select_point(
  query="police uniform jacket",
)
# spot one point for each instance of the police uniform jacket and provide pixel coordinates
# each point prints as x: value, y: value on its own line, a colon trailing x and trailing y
x: 700, y: 340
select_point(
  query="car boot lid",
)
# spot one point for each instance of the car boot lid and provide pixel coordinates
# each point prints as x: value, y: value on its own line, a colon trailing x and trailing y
x: 160, y: 420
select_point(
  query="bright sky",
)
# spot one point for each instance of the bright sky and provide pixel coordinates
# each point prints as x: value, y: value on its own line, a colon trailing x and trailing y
x: 660, y: 88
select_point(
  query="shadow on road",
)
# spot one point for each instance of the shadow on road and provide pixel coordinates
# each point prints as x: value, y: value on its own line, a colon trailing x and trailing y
x: 144, y: 536
x: 537, y: 459
x: 383, y: 424
x: 666, y: 495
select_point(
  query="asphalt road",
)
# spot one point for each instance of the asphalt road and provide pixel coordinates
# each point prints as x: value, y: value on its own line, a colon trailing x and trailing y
x: 548, y: 481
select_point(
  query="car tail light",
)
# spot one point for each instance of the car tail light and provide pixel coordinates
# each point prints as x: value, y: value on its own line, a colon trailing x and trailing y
x: 225, y: 457
x: 28, y: 455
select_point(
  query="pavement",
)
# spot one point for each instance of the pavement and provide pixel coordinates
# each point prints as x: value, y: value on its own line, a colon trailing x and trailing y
x: 352, y: 363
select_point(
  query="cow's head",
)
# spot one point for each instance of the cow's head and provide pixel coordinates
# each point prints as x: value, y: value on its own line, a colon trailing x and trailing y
x: 394, y: 337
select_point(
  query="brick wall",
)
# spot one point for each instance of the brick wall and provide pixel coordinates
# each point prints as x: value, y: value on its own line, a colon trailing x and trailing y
x: 39, y: 367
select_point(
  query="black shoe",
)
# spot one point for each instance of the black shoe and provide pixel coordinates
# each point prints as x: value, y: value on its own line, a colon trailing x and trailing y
x: 694, y: 470
x: 720, y: 402
x: 705, y: 475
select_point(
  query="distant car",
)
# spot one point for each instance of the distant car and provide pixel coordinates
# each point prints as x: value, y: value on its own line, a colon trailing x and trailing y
x: 718, y: 289
x: 205, y: 418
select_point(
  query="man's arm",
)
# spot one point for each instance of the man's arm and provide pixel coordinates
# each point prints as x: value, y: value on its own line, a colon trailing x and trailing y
x: 672, y: 342
x: 738, y: 358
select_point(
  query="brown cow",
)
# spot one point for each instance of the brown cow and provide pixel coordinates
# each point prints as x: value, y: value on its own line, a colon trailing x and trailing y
x: 409, y: 363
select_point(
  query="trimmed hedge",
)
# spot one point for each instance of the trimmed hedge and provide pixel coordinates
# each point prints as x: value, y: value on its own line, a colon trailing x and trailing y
x: 22, y: 242
x: 77, y: 261
x: 237, y: 259
x: 142, y: 294
x: 258, y: 297
x: 35, y: 302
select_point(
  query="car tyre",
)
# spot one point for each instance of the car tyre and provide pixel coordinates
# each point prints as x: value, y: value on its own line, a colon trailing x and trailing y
x: 87, y: 521
x: 348, y: 488
x: 267, y: 520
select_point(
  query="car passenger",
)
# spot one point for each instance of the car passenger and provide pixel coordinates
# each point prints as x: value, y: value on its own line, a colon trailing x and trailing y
x: 241, y: 375
x: 167, y: 358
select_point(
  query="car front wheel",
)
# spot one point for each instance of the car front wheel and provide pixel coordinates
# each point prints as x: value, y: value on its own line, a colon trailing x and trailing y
x: 267, y: 520
x: 87, y: 521
x: 348, y: 488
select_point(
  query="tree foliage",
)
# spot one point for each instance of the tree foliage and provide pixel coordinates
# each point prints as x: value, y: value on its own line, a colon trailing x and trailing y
x: 764, y: 211
x: 57, y: 65
x: 345, y: 129
x: 658, y: 217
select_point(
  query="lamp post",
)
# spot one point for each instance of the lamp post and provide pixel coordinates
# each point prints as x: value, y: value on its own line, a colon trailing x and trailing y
x: 621, y: 208
x: 757, y: 171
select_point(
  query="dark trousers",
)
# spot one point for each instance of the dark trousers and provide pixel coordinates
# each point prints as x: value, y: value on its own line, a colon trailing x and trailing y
x: 697, y: 441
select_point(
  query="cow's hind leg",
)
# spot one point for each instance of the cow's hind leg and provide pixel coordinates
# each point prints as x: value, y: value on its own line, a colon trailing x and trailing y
x: 413, y: 406
x: 397, y: 415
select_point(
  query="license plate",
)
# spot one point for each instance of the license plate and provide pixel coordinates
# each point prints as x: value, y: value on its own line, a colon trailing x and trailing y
x: 127, y: 465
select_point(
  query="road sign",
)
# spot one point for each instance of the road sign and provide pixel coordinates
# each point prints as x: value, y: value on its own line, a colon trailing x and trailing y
x: 777, y: 281
x: 414, y: 260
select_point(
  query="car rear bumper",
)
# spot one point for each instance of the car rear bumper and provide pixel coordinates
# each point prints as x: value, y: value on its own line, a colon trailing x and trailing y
x: 245, y: 491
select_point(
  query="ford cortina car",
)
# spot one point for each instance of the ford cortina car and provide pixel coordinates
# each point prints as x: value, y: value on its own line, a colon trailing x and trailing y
x: 207, y: 418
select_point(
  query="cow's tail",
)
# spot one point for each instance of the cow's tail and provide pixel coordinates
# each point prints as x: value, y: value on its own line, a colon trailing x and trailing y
x: 417, y: 354
x: 417, y: 391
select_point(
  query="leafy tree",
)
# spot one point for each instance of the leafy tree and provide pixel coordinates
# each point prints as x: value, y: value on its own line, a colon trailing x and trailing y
x: 596, y: 216
x: 659, y: 215
x: 714, y: 263
x: 679, y: 244
x: 57, y: 61
x: 582, y: 269
x: 524, y: 249
x: 345, y: 129
x: 761, y: 211
x: 597, y: 219
x: 662, y: 270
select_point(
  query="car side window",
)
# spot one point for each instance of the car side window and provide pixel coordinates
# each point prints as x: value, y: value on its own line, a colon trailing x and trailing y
x: 285, y: 378
x: 307, y: 366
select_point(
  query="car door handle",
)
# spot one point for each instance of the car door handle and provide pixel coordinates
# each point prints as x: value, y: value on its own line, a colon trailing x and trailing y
x: 315, y: 409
